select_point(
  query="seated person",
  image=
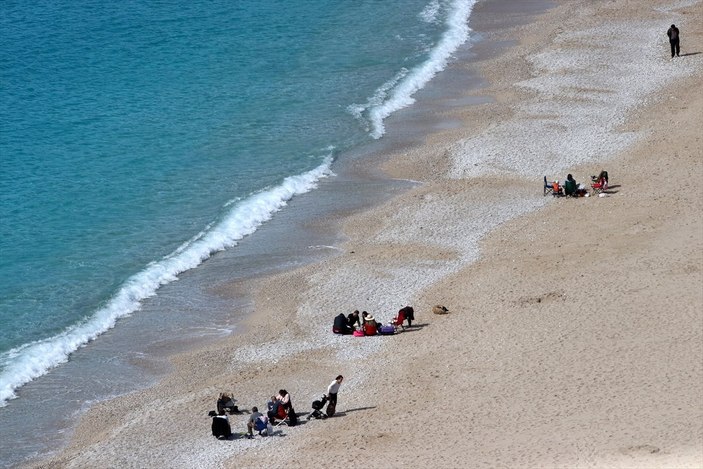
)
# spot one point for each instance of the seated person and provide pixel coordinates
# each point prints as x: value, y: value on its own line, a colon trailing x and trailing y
x: 270, y: 404
x: 257, y: 421
x: 225, y: 402
x: 556, y: 188
x: 369, y: 324
x: 341, y: 325
x: 220, y: 426
x: 283, y: 407
x: 602, y: 179
x: 570, y: 186
x: 281, y: 400
x: 353, y: 319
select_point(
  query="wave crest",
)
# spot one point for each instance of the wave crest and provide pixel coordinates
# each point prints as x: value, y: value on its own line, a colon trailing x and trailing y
x: 32, y: 360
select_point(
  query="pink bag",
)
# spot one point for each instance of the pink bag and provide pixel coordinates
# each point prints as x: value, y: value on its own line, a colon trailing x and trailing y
x: 358, y: 333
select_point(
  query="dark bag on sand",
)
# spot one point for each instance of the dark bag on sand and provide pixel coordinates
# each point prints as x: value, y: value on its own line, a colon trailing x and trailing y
x: 386, y: 330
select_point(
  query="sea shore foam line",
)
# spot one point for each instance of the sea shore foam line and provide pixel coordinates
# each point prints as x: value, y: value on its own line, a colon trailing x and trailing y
x: 398, y: 92
x: 29, y: 361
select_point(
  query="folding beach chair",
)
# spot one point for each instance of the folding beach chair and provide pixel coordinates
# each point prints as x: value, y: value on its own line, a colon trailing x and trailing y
x: 281, y: 416
x: 552, y: 188
x: 548, y: 188
x: 600, y: 183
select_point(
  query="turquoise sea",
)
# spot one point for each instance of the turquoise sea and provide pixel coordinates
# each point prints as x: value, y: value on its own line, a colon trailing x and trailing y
x: 138, y: 139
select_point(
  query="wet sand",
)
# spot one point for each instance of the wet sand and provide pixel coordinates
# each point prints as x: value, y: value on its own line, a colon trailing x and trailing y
x: 575, y: 337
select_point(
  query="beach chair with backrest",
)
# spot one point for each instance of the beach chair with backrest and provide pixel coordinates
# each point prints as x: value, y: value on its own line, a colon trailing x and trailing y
x: 600, y: 183
x: 281, y: 416
x: 548, y: 189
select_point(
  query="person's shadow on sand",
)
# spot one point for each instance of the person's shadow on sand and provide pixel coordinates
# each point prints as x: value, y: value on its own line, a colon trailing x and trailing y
x: 345, y: 412
x: 690, y: 53
x: 610, y: 190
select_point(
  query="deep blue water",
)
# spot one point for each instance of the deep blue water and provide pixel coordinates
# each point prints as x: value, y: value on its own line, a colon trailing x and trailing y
x: 137, y: 138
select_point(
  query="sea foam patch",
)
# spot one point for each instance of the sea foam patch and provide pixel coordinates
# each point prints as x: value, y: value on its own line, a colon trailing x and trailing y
x: 398, y: 92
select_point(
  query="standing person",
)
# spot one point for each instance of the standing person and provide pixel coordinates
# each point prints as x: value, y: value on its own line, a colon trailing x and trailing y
x: 332, y: 391
x: 673, y: 34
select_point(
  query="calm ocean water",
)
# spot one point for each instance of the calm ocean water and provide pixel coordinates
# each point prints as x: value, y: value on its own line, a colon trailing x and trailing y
x: 138, y: 138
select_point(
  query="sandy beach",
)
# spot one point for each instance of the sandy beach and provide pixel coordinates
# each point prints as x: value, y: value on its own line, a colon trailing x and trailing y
x: 575, y: 332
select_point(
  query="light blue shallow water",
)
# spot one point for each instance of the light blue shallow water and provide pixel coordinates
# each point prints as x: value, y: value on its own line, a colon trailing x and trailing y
x: 137, y: 138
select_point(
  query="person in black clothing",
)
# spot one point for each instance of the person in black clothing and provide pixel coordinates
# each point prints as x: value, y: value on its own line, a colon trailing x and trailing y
x: 673, y: 34
x: 341, y: 326
x: 225, y: 402
x: 354, y: 319
x: 220, y: 426
x: 409, y: 314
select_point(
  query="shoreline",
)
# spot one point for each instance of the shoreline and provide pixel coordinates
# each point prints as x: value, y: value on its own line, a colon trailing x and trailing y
x: 391, y: 265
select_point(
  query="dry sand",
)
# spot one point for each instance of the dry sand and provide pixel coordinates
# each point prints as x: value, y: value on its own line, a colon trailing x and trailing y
x: 575, y: 337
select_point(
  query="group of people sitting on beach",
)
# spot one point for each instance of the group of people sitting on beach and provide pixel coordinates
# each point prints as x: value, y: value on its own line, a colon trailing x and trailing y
x: 571, y: 188
x: 279, y: 409
x: 366, y: 324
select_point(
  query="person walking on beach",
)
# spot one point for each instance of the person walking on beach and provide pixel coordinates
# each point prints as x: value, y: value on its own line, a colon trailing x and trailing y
x: 673, y: 34
x: 332, y: 391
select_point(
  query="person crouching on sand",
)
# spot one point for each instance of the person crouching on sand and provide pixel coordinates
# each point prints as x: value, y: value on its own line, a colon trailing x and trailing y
x: 257, y: 421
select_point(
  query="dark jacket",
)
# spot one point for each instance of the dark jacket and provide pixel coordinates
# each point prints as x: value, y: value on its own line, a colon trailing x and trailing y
x: 340, y: 325
x: 673, y: 33
x: 221, y: 428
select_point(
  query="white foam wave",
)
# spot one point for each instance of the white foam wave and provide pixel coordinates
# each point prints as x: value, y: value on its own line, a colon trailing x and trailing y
x: 398, y: 92
x: 430, y: 12
x: 29, y: 361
